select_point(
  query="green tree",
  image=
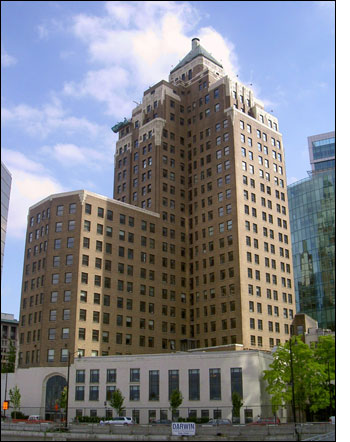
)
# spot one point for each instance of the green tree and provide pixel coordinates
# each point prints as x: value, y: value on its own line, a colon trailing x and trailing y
x: 176, y: 399
x: 237, y: 404
x: 116, y: 401
x: 15, y: 399
x: 309, y: 377
x: 325, y: 354
x: 9, y: 365
x: 62, y: 401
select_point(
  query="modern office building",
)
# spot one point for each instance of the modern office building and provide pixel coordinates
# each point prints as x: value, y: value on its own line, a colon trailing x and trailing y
x: 193, y: 251
x: 322, y: 151
x: 312, y: 220
x: 6, y: 180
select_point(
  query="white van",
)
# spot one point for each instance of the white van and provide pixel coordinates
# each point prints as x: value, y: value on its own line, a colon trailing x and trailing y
x: 119, y: 420
x: 34, y: 417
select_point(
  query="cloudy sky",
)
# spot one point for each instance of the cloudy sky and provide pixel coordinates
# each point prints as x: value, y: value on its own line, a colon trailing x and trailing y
x: 71, y: 70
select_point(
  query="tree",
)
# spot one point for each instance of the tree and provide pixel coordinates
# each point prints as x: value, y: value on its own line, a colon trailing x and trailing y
x: 237, y: 404
x: 15, y: 399
x: 309, y: 377
x: 116, y: 401
x: 175, y: 400
x: 9, y: 365
x: 62, y: 401
x: 325, y: 354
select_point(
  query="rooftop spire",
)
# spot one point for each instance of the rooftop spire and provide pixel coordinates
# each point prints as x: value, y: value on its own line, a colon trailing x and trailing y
x: 195, y: 42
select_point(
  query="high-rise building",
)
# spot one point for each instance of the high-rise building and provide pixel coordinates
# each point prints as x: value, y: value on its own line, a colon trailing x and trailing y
x: 193, y: 251
x: 312, y: 220
x: 6, y: 180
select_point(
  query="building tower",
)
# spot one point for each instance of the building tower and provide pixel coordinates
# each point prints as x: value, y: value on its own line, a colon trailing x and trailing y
x: 194, y: 250
x: 312, y: 219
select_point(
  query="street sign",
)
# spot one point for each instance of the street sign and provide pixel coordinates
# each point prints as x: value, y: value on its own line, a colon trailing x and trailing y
x: 183, y: 429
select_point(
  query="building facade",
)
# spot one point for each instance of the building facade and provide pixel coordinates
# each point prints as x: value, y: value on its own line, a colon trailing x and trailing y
x: 193, y: 251
x: 6, y: 180
x: 9, y: 335
x: 312, y: 219
x: 322, y: 151
x: 205, y: 379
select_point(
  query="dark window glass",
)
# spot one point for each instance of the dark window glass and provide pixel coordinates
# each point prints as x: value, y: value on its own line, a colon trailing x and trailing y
x: 215, y: 383
x: 236, y: 381
x: 193, y: 381
x: 173, y: 381
x: 154, y: 385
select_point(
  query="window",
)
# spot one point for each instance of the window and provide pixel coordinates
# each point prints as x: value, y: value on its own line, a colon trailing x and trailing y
x: 173, y: 384
x: 94, y: 393
x: 111, y: 375
x: 134, y: 375
x: 80, y: 376
x: 194, y: 384
x: 134, y: 393
x: 237, y: 381
x: 154, y: 385
x: 215, y: 383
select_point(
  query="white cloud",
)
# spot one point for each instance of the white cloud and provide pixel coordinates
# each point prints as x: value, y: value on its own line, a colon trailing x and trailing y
x: 71, y: 155
x: 135, y: 44
x: 31, y: 182
x: 7, y: 59
x: 41, y: 122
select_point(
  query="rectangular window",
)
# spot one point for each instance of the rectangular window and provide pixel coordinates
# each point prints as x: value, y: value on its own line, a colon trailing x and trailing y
x: 173, y: 376
x: 215, y: 383
x: 154, y: 385
x: 111, y: 375
x: 194, y: 385
x: 134, y: 375
x: 134, y: 392
x: 236, y: 381
x: 94, y: 393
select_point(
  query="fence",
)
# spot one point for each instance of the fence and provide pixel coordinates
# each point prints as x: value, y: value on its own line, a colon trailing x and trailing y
x: 145, y: 415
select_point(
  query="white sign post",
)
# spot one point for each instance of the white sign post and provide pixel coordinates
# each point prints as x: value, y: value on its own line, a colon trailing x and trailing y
x: 183, y: 429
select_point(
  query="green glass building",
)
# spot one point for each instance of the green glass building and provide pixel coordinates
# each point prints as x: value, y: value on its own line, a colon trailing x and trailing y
x: 312, y: 222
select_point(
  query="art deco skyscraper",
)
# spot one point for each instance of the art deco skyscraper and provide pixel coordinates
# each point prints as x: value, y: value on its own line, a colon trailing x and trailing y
x: 196, y: 249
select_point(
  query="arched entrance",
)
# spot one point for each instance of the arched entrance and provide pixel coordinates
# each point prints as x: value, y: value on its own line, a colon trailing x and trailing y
x: 54, y: 387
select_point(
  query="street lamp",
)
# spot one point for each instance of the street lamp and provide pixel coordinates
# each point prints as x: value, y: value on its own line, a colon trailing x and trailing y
x: 68, y: 365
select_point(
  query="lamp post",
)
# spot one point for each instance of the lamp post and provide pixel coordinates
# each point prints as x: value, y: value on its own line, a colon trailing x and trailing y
x: 68, y: 365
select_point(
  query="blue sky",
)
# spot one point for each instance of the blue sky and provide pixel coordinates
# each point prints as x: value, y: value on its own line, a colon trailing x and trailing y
x: 71, y: 70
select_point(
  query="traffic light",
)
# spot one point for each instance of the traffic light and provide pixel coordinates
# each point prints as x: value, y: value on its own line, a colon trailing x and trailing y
x: 5, y: 405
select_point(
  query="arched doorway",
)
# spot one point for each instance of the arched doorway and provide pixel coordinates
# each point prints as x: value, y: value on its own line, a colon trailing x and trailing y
x: 54, y: 387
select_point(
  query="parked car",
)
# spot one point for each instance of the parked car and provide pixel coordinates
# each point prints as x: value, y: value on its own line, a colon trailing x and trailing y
x: 119, y: 420
x: 34, y: 417
x: 332, y: 420
x: 219, y: 422
x: 161, y: 422
x: 266, y: 421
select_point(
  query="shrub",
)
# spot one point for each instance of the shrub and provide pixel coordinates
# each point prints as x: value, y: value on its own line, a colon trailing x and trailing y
x: 18, y: 415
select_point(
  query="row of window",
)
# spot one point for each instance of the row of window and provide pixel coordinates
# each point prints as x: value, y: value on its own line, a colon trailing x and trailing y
x: 262, y: 174
x: 194, y: 383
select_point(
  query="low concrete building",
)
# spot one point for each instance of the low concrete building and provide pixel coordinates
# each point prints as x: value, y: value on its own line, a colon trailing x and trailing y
x: 205, y: 378
x: 9, y: 334
x: 308, y: 328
